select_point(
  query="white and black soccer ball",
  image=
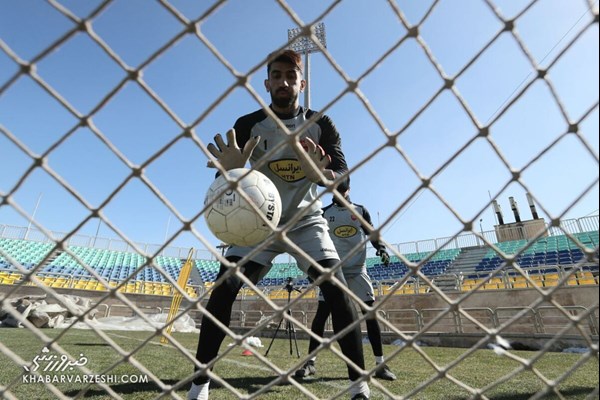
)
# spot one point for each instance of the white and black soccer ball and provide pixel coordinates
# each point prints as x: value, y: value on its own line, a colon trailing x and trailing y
x: 232, y: 219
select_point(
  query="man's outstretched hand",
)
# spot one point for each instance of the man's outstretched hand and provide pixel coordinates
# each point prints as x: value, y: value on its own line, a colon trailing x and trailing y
x: 317, y: 155
x: 229, y: 155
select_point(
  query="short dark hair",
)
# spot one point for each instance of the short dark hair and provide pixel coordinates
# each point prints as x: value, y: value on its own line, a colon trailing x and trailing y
x: 286, y: 56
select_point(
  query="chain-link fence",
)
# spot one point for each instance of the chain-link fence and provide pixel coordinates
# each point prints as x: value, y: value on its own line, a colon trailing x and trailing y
x: 453, y: 311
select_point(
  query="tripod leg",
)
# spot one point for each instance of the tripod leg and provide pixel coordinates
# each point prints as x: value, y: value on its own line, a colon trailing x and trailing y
x: 289, y: 329
x: 292, y: 336
x: 273, y: 339
x: 295, y: 341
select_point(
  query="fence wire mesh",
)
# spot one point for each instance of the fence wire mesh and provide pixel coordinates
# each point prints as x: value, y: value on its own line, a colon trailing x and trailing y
x: 544, y: 311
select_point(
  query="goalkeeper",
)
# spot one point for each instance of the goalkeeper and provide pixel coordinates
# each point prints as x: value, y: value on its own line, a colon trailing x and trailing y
x: 252, y: 139
x: 347, y: 233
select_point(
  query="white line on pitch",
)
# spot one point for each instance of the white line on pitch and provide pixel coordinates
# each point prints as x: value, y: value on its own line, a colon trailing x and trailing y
x: 374, y: 394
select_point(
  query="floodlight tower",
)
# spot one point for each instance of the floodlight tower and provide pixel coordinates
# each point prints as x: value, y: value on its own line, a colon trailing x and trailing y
x: 305, y: 45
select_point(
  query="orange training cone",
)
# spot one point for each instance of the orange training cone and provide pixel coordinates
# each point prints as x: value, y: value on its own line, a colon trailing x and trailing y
x: 246, y: 352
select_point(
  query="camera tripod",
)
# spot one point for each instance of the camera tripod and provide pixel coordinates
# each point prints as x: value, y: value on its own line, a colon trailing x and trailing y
x: 289, y: 327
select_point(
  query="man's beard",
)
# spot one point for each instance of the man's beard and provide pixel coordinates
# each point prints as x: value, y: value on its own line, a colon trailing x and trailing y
x: 284, y: 102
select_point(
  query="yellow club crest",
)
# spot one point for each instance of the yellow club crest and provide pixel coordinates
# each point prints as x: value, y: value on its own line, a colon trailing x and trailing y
x: 345, y: 231
x: 287, y: 169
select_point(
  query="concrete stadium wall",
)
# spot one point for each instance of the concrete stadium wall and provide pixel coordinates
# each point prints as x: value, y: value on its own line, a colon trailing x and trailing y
x: 584, y: 296
x: 524, y: 333
x: 400, y: 311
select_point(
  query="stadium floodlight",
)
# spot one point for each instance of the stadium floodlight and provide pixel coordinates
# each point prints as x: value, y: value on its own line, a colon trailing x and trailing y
x: 305, y: 45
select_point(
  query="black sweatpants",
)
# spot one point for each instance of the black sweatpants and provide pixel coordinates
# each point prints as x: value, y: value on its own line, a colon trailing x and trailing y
x: 318, y: 327
x: 223, y: 296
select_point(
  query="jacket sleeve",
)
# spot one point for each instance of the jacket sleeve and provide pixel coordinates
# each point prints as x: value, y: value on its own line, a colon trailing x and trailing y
x: 242, y: 127
x: 331, y: 143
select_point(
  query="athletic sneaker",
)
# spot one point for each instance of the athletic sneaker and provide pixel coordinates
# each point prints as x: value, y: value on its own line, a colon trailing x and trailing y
x: 198, y: 392
x: 359, y: 390
x: 307, y: 369
x: 385, y: 373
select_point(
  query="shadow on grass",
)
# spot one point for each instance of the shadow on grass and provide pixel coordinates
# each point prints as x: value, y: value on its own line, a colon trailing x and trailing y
x: 124, y: 388
x: 253, y: 384
x: 580, y: 392
x: 249, y: 384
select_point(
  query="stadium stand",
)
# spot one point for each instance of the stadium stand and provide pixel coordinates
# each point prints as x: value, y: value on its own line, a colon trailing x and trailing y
x: 544, y: 263
x: 27, y: 253
x: 208, y: 269
x: 64, y: 271
x: 551, y: 250
x: 432, y: 266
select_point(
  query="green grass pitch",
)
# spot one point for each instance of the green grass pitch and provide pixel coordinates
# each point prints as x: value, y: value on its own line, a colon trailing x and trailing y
x: 247, y: 374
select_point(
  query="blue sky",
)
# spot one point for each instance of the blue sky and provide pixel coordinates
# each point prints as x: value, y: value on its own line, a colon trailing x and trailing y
x: 189, y: 78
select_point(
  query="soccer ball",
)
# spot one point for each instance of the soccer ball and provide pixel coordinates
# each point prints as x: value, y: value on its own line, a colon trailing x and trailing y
x: 231, y: 218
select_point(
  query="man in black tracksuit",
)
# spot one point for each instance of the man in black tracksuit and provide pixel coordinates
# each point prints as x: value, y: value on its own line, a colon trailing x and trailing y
x: 254, y: 137
x: 349, y: 236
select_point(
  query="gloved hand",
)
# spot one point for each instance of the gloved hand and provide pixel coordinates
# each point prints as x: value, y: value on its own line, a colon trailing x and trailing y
x: 385, y: 257
x: 229, y: 155
x: 317, y: 155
